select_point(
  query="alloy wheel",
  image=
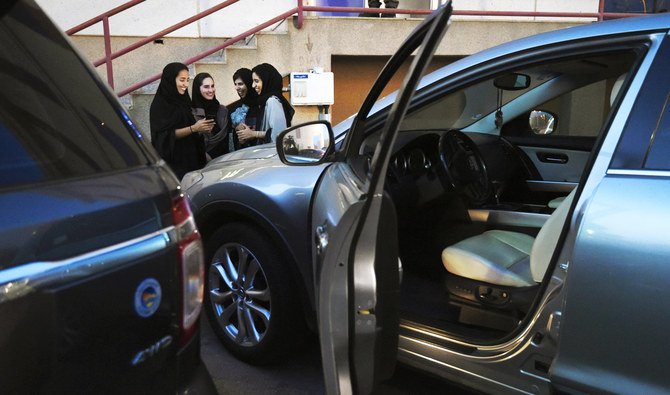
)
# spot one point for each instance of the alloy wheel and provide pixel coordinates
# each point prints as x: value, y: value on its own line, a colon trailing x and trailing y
x: 239, y: 294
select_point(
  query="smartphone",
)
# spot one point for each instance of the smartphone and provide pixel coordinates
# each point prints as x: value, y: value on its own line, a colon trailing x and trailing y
x: 212, y: 117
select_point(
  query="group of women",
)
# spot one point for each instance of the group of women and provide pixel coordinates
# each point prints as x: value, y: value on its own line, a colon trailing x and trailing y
x: 187, y: 132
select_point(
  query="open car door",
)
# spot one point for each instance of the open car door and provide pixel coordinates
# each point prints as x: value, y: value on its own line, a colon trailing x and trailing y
x: 355, y: 234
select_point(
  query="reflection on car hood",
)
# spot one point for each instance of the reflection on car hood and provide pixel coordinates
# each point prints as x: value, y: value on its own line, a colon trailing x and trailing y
x: 264, y: 151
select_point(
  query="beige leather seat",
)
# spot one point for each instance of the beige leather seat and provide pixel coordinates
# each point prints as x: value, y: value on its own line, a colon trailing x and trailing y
x: 507, y: 259
x: 554, y: 203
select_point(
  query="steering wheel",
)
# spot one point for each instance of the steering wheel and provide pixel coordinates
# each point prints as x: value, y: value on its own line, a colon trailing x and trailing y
x: 464, y: 166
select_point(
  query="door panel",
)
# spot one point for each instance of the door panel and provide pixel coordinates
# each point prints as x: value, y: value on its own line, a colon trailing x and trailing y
x: 557, y: 165
x: 614, y: 281
x: 355, y: 232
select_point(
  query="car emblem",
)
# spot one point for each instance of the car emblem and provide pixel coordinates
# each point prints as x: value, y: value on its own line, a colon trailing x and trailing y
x: 152, y: 350
x: 147, y: 297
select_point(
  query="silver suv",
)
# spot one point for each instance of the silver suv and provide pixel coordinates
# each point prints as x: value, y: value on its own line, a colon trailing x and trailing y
x: 499, y: 222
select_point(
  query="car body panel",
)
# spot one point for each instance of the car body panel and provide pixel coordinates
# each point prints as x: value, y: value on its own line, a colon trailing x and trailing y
x: 333, y: 274
x: 611, y: 239
x: 91, y: 294
x: 123, y: 206
x: 266, y: 202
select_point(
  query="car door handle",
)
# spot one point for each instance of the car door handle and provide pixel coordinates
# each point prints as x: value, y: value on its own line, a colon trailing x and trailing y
x: 552, y: 157
x: 321, y: 238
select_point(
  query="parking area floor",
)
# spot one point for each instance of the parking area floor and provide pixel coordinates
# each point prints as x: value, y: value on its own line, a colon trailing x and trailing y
x: 299, y: 374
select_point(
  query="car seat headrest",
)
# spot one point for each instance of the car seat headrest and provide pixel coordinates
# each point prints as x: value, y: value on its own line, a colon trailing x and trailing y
x: 617, y: 87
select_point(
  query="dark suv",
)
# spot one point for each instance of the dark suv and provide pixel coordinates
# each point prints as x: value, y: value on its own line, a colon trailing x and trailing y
x: 101, y: 268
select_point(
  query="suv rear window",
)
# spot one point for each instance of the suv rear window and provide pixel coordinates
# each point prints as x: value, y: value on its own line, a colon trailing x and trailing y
x: 55, y: 122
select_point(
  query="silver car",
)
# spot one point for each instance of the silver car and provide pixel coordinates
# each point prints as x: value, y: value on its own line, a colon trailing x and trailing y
x: 500, y: 222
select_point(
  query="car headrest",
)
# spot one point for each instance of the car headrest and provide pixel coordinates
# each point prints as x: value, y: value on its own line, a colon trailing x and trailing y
x: 617, y: 87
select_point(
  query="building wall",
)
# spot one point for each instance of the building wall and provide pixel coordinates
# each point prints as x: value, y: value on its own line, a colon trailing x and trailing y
x: 155, y: 15
x: 354, y: 76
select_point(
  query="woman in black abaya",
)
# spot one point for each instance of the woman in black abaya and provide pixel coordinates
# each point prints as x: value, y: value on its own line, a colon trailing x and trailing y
x: 174, y: 131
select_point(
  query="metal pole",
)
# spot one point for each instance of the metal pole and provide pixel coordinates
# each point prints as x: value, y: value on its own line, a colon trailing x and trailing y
x: 300, y: 14
x: 98, y: 18
x: 108, y: 50
x: 164, y: 32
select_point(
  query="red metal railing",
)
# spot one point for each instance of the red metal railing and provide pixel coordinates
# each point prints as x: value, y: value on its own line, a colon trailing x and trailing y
x: 104, y: 18
x: 226, y: 44
x: 299, y: 10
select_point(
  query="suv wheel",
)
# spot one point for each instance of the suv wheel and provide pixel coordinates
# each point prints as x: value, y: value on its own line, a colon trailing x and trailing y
x: 250, y: 298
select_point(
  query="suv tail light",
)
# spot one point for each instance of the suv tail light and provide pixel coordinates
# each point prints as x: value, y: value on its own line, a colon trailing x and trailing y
x: 191, y: 267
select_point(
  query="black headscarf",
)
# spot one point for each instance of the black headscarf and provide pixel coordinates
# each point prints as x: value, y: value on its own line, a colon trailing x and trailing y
x: 272, y: 86
x: 170, y: 111
x: 251, y: 98
x: 167, y: 88
x: 211, y: 107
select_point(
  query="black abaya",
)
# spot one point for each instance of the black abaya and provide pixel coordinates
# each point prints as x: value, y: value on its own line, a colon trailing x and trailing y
x: 171, y: 111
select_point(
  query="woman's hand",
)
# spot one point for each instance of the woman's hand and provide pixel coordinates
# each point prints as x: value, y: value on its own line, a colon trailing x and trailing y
x: 203, y: 126
x: 246, y: 134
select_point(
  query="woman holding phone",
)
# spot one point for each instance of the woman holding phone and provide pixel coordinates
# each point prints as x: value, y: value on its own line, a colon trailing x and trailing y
x: 175, y: 133
x: 206, y: 106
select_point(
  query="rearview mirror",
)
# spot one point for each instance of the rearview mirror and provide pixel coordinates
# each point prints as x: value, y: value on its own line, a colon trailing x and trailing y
x: 512, y: 82
x: 305, y: 144
x: 542, y: 122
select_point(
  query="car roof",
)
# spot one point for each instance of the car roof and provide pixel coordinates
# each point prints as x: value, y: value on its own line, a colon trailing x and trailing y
x: 625, y: 26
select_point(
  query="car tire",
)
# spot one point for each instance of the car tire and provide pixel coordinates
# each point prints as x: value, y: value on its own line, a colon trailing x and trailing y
x: 255, y: 314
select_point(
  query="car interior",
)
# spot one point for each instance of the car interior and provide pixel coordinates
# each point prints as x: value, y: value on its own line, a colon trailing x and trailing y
x: 482, y: 178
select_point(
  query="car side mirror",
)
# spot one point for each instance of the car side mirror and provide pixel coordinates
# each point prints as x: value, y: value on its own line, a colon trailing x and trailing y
x: 542, y: 122
x: 305, y: 144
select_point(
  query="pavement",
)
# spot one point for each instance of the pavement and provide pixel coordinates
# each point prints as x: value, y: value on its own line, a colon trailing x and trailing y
x: 298, y: 374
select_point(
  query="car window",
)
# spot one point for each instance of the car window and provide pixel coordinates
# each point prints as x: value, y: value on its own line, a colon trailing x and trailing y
x: 582, y: 111
x: 577, y: 91
x: 644, y: 139
x: 55, y: 122
x: 464, y: 107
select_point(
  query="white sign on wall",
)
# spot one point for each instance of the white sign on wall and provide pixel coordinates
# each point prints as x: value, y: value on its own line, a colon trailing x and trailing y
x: 312, y: 89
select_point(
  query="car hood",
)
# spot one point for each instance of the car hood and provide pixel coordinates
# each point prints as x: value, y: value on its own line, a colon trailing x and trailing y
x: 264, y: 151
